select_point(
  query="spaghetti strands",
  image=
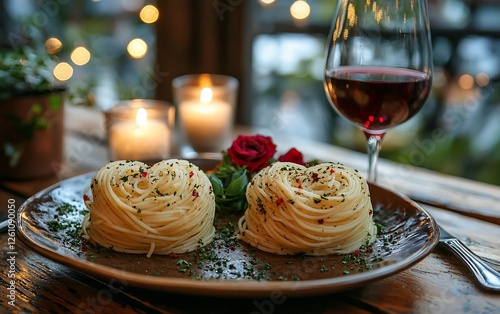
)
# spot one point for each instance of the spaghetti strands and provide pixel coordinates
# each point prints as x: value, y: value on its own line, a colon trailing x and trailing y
x: 320, y: 210
x: 166, y: 208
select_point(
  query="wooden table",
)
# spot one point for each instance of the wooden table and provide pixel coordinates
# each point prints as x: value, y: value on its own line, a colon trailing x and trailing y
x: 438, y: 284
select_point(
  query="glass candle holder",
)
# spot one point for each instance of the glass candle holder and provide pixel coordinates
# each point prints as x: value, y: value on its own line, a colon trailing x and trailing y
x: 205, y: 105
x: 140, y: 129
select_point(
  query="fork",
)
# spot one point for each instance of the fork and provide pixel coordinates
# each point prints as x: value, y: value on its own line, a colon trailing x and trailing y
x: 487, y: 277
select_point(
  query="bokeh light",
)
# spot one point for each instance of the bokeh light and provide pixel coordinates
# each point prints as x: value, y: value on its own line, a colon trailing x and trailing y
x: 149, y: 14
x: 137, y: 48
x: 53, y: 45
x: 63, y: 71
x: 466, y: 81
x: 80, y: 56
x: 267, y: 2
x: 482, y: 79
x: 300, y: 10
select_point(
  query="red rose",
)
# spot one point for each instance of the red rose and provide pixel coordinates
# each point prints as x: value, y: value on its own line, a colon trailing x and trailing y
x: 252, y: 151
x: 294, y: 156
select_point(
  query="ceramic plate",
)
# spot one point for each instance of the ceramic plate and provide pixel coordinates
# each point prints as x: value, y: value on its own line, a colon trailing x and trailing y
x: 49, y: 223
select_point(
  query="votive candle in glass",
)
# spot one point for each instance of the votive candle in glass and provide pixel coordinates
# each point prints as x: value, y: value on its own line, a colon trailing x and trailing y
x: 205, y: 104
x: 140, y: 129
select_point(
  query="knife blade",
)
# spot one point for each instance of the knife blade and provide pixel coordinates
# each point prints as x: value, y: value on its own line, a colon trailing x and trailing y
x: 487, y: 277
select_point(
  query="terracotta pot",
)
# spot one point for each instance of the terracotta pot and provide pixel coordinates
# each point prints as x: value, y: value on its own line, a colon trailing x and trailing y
x: 41, y: 154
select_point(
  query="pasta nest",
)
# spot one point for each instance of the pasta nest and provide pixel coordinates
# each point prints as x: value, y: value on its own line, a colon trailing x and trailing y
x: 168, y: 207
x: 318, y: 210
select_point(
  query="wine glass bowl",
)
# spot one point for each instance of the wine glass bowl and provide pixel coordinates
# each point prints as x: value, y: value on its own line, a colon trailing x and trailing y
x: 378, y: 69
x: 377, y: 98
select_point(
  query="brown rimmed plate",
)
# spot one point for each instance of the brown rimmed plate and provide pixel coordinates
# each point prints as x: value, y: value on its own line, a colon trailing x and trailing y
x: 227, y: 267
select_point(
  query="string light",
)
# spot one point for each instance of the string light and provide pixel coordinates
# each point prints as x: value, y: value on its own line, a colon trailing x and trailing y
x: 137, y: 48
x: 149, y: 14
x: 300, y: 10
x: 53, y: 45
x: 63, y: 71
x: 80, y: 56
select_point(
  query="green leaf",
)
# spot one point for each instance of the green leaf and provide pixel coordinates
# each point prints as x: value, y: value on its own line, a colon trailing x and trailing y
x: 36, y: 109
x: 54, y: 102
x: 26, y: 71
x: 40, y: 123
x: 239, y: 182
x: 229, y: 184
x: 237, y: 205
x: 217, y: 185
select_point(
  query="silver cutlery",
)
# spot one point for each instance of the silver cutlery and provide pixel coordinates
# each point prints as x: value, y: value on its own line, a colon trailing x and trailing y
x: 487, y: 277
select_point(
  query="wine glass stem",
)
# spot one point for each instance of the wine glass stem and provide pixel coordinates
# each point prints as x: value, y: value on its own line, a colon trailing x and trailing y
x: 374, y: 143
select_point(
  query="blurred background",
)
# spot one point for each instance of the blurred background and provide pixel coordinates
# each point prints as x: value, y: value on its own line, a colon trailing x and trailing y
x: 111, y: 50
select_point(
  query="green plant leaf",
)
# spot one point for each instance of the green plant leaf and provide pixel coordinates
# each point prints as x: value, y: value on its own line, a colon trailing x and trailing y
x: 36, y: 109
x: 26, y: 71
x: 239, y: 181
x: 241, y: 204
x: 217, y: 185
x: 54, y: 102
x: 40, y: 123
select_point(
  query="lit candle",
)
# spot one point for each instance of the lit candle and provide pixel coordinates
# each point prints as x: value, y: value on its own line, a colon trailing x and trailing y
x: 207, y: 121
x: 141, y: 139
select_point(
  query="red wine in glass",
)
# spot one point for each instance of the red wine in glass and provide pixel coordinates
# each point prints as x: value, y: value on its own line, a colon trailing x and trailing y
x: 377, y: 98
x: 378, y: 67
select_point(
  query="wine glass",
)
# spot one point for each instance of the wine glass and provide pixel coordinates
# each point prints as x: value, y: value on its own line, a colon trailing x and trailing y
x: 379, y: 68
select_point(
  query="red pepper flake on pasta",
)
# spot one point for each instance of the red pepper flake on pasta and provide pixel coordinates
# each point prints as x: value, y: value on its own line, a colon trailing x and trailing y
x: 191, y: 173
x: 315, y: 177
x: 321, y: 221
x: 86, y: 198
x: 280, y: 201
x: 195, y: 194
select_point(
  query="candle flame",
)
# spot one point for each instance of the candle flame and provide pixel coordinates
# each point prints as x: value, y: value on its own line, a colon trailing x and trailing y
x: 205, y: 80
x: 141, y: 117
x: 206, y: 95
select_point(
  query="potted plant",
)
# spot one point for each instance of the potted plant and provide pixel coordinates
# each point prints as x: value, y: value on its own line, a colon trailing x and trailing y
x: 31, y: 115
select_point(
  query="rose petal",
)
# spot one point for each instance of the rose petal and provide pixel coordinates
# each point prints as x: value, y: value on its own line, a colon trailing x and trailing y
x: 293, y: 155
